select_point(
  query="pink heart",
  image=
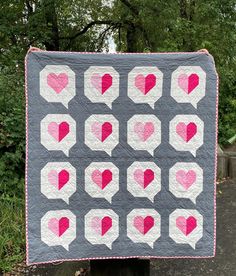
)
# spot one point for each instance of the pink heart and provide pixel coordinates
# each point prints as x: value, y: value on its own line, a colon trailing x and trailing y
x: 58, y: 179
x: 143, y: 178
x: 145, y: 84
x: 101, y: 226
x: 186, y: 225
x: 186, y: 179
x: 102, y: 179
x: 143, y: 225
x: 188, y: 83
x: 101, y: 83
x: 102, y: 131
x: 57, y: 82
x: 144, y: 131
x: 58, y: 131
x: 59, y: 226
x: 186, y: 132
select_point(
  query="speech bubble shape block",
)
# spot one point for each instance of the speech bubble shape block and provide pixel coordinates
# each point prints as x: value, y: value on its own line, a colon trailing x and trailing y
x: 58, y: 180
x: 144, y: 132
x: 186, y: 180
x: 186, y: 133
x: 102, y: 133
x: 144, y: 179
x: 102, y: 180
x: 101, y: 84
x: 186, y: 226
x: 58, y: 132
x: 188, y: 84
x: 144, y: 226
x: 101, y: 227
x: 145, y: 85
x: 58, y: 228
x: 57, y: 84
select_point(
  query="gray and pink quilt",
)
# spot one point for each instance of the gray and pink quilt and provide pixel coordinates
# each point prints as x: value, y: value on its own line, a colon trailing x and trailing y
x: 120, y: 155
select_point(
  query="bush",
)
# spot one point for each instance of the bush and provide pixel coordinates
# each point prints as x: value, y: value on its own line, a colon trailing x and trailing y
x: 12, y: 237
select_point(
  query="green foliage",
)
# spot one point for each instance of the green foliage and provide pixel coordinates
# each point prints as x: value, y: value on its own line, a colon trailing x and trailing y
x: 12, y: 238
x: 12, y: 152
x: 86, y: 25
x: 12, y: 129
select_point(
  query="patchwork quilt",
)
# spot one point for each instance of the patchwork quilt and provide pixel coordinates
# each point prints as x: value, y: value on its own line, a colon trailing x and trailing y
x: 120, y: 155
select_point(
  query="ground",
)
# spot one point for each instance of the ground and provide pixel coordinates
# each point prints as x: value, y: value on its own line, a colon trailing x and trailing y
x: 224, y: 264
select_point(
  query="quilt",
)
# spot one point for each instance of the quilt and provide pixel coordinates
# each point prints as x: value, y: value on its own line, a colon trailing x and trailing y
x: 120, y: 155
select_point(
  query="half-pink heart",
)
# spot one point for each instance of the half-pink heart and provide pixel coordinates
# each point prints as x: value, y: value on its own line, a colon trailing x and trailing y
x: 186, y: 179
x: 101, y: 225
x: 186, y: 132
x: 57, y: 82
x: 145, y: 84
x: 58, y: 131
x: 188, y: 83
x: 186, y: 225
x: 102, y: 179
x: 101, y: 83
x: 102, y: 131
x: 144, y: 130
x: 58, y: 180
x: 59, y: 226
x: 143, y: 178
x: 143, y: 225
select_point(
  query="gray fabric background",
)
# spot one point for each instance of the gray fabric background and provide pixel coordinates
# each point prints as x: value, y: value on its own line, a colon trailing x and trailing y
x: 80, y: 108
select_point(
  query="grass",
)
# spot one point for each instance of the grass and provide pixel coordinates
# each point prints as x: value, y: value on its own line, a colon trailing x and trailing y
x: 12, y: 232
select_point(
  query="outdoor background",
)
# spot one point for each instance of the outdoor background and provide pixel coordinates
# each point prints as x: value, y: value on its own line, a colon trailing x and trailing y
x: 97, y: 26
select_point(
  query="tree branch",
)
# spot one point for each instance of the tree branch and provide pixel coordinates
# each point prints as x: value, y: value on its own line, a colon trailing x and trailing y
x: 29, y: 8
x: 87, y: 27
x: 103, y: 35
x: 183, y: 9
x: 133, y: 9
